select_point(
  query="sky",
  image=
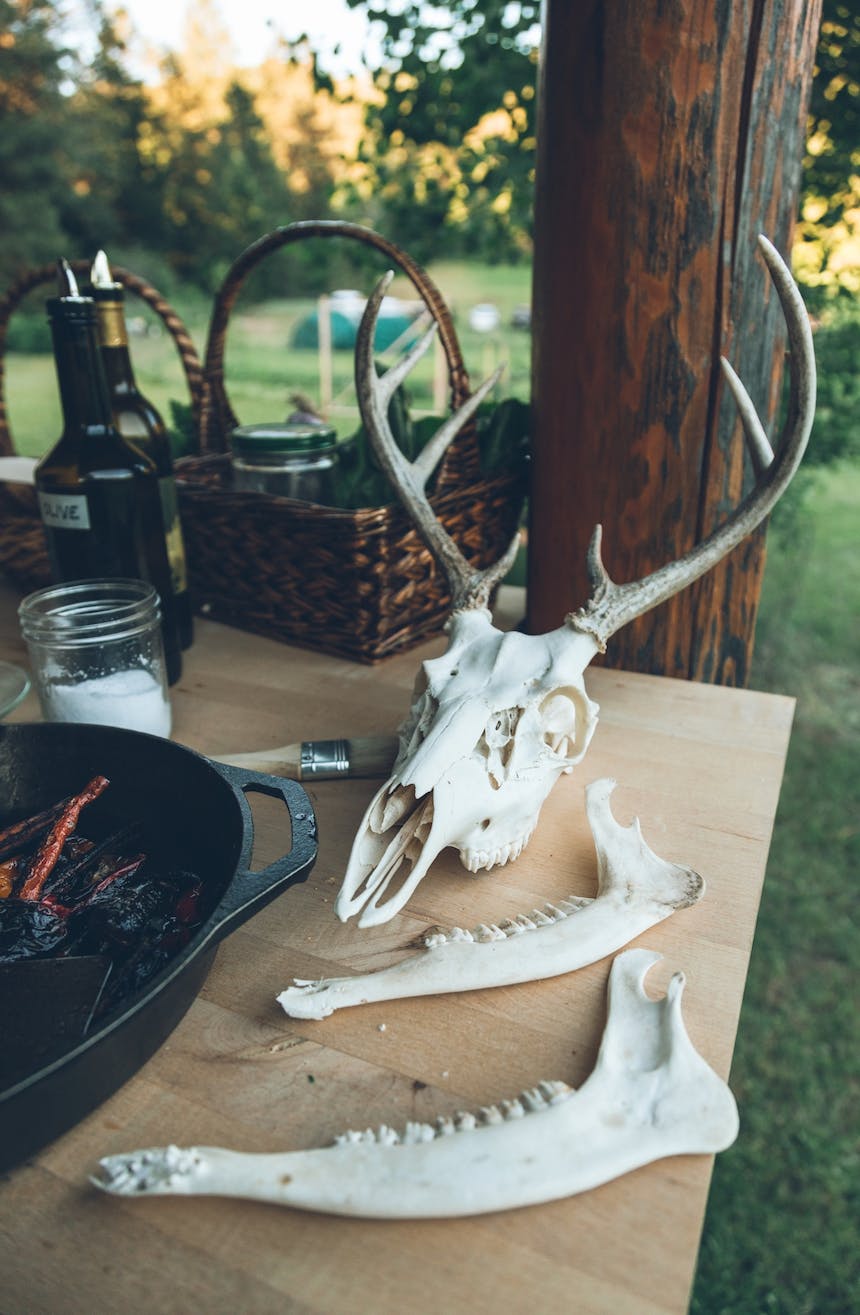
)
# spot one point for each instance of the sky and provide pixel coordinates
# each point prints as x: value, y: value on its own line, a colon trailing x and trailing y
x: 254, y: 24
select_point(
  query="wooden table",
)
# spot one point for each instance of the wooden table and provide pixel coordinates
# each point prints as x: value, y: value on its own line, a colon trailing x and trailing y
x: 701, y: 766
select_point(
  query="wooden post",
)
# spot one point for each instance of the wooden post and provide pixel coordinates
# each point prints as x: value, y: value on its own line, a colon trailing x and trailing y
x: 669, y: 136
x: 324, y: 343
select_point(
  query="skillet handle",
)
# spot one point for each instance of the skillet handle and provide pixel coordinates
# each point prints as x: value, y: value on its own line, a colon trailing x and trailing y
x: 249, y: 891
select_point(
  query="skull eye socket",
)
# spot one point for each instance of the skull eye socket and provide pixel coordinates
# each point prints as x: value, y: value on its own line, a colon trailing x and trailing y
x: 559, y: 713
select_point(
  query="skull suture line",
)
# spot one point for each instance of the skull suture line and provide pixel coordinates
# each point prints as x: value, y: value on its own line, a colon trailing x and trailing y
x: 499, y: 717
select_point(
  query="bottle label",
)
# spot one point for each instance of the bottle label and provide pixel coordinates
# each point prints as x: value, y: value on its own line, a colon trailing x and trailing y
x: 65, y: 511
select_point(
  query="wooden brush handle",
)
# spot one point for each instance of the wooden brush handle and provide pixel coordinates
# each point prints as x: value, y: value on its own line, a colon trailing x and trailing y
x: 319, y: 760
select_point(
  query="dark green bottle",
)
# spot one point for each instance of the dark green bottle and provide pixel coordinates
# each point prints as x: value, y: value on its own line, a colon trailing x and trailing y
x: 98, y: 495
x: 138, y: 421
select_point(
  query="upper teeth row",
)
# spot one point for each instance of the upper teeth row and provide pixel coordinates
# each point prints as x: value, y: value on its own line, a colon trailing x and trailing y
x: 476, y: 859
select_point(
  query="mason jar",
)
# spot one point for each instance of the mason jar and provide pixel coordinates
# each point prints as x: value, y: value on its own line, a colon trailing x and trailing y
x: 97, y: 655
x: 290, y: 460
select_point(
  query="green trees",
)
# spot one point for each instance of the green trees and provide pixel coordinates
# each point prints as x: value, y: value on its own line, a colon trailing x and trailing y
x: 449, y: 147
x: 31, y: 59
x: 207, y: 157
x: 184, y: 169
x: 828, y: 250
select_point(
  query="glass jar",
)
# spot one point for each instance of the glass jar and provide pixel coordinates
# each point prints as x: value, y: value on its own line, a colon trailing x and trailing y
x: 290, y: 460
x: 97, y: 655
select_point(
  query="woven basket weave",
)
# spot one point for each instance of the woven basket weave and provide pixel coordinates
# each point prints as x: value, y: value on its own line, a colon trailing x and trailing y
x: 359, y: 584
x: 23, y: 550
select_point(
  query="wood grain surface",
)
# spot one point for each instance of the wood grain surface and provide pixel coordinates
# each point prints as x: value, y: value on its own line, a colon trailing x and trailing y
x: 669, y: 137
x: 700, y: 765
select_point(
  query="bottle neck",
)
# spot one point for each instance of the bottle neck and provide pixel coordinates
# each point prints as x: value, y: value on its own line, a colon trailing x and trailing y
x: 80, y: 374
x: 113, y: 337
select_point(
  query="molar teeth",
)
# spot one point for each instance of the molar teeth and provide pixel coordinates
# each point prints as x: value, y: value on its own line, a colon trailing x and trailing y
x: 465, y: 1121
x: 349, y: 1138
x: 418, y: 1132
x: 532, y: 1100
x: 575, y: 902
x: 491, y: 1114
x: 485, y: 933
x: 554, y: 1090
x: 540, y: 918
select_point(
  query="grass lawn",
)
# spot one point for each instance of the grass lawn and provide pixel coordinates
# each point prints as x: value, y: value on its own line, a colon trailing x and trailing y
x: 261, y: 369
x: 781, y: 1230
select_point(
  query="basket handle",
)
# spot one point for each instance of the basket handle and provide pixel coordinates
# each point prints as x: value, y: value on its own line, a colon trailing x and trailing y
x: 33, y: 278
x: 460, y: 464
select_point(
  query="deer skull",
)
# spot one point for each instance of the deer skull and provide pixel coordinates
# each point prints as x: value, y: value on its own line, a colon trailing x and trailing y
x: 499, y: 717
x: 493, y: 724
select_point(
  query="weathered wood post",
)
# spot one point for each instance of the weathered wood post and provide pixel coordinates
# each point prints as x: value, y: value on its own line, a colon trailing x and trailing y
x: 669, y: 136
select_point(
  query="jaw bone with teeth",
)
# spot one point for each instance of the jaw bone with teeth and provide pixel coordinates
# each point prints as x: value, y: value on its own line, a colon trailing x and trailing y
x: 636, y: 890
x: 498, y: 718
x: 650, y: 1094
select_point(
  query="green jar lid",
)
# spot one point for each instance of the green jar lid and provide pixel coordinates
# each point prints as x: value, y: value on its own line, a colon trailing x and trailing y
x: 287, y: 438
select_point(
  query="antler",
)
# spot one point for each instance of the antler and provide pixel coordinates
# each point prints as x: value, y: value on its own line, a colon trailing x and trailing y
x: 470, y: 588
x: 611, y: 605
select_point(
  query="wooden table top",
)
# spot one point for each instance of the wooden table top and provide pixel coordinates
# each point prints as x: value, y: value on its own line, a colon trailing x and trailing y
x: 701, y: 766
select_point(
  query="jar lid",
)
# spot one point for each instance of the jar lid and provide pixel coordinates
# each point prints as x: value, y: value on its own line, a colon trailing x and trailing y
x: 289, y: 438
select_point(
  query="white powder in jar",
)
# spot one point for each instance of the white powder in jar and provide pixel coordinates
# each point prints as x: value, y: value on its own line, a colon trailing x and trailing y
x: 132, y: 699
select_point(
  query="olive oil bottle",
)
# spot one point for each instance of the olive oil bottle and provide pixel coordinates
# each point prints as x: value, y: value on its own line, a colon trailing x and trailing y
x: 98, y: 495
x: 140, y: 423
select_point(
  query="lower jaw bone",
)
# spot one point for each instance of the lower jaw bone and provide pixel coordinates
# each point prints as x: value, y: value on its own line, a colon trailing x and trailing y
x: 650, y: 1095
x: 636, y: 890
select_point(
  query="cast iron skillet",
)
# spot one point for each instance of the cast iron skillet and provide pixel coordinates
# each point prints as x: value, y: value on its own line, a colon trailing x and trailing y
x: 195, y: 815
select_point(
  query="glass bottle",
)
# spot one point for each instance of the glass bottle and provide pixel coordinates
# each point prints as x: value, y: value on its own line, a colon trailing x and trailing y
x: 98, y: 495
x: 138, y: 421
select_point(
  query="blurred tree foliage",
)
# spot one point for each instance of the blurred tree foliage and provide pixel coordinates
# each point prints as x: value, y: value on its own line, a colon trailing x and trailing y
x: 32, y: 57
x: 827, y: 251
x: 193, y: 166
x: 450, y: 143
x: 184, y: 169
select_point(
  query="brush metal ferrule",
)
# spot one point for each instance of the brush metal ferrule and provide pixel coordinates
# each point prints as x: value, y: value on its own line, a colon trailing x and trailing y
x: 324, y: 758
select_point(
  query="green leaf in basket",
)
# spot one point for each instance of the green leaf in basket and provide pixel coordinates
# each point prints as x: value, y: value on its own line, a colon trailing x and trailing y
x: 180, y: 431
x: 503, y: 440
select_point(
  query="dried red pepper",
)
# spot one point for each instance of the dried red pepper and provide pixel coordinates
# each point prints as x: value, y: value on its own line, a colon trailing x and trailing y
x: 79, y: 896
x: 24, y: 833
x: 9, y: 872
x: 51, y: 847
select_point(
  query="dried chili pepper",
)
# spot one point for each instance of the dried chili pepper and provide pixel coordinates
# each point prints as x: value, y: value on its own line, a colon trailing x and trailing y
x: 50, y: 848
x: 79, y: 896
x: 23, y: 834
x: 71, y: 882
x: 10, y: 870
x: 30, y: 931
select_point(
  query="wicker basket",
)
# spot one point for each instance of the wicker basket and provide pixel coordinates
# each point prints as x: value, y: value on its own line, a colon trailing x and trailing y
x: 23, y: 550
x: 359, y: 584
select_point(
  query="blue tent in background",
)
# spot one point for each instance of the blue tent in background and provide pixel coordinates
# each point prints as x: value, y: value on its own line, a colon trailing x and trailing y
x: 396, y: 319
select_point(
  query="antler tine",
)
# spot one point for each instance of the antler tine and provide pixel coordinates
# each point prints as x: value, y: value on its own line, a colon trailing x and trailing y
x: 611, y: 605
x: 469, y: 588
